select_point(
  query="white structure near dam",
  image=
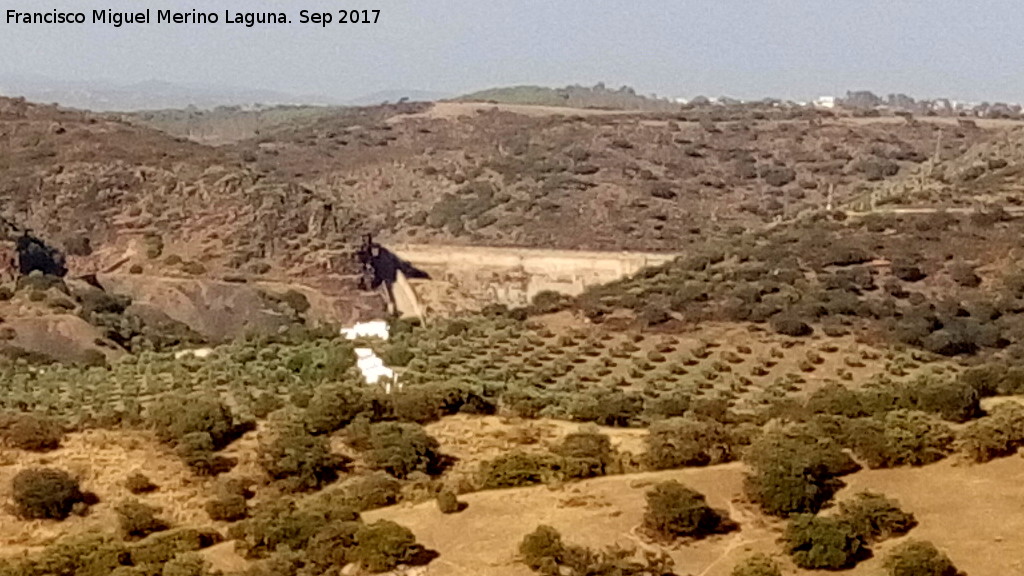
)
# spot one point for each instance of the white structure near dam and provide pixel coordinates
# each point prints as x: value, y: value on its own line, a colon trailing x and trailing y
x: 369, y: 364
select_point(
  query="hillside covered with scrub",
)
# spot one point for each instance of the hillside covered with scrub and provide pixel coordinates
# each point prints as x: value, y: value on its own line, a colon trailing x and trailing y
x: 826, y: 378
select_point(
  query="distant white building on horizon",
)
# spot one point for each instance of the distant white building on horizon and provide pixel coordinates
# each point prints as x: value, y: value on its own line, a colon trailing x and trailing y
x: 825, y: 102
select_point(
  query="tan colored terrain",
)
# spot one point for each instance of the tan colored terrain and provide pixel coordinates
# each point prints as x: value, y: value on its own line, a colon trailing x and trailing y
x: 972, y: 512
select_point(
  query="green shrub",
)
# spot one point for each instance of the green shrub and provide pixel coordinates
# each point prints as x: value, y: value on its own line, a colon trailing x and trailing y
x: 542, y: 549
x: 85, y: 555
x: 330, y: 548
x: 794, y: 471
x: 999, y: 434
x: 687, y: 441
x: 196, y: 450
x: 137, y: 520
x: 430, y: 402
x: 281, y: 523
x: 400, y: 449
x: 518, y: 469
x: 139, y: 483
x: 900, y: 438
x: 918, y: 558
x: 383, y: 545
x: 227, y: 508
x: 41, y: 493
x: 837, y: 400
x: 333, y: 407
x: 398, y: 354
x: 673, y: 511
x: 160, y: 547
x: 606, y: 407
x: 953, y: 400
x: 173, y: 416
x: 670, y: 404
x: 299, y: 459
x: 448, y: 502
x: 757, y: 565
x: 548, y: 301
x: 371, y: 491
x: 30, y: 432
x: 820, y: 543
x: 188, y: 564
x: 586, y: 454
x: 875, y: 517
x: 790, y: 326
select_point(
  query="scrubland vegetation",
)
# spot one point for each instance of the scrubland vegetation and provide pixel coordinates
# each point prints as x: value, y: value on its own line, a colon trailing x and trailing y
x: 793, y: 346
x: 307, y: 397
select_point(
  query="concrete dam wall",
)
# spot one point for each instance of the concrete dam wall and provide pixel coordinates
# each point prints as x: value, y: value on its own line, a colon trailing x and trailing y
x: 466, y: 277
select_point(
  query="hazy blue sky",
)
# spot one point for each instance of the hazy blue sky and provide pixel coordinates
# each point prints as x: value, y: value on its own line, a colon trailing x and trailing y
x: 754, y: 48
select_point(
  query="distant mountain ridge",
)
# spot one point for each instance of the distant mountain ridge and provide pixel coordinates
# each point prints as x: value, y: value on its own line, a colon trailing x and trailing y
x: 396, y: 95
x: 105, y: 96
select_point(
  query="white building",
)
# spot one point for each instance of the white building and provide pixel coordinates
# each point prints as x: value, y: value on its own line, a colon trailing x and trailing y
x: 372, y: 366
x: 825, y: 102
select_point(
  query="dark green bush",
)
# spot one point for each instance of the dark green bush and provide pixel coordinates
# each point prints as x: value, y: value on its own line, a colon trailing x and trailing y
x: 606, y: 407
x: 794, y: 471
x: 280, y: 523
x: 542, y: 550
x: 137, y: 520
x: 398, y: 354
x: 875, y: 517
x: 400, y: 448
x: 31, y: 432
x: 299, y: 459
x: 687, y: 441
x: 518, y: 469
x: 789, y: 326
x: 999, y: 434
x: 430, y: 402
x: 548, y: 301
x: 331, y: 547
x: 757, y: 565
x: 333, y: 407
x: 173, y: 416
x: 372, y: 491
x: 187, y: 564
x: 900, y: 438
x: 41, y: 493
x: 670, y: 404
x: 448, y: 502
x: 139, y: 483
x: 953, y: 400
x: 586, y: 454
x: 196, y: 450
x: 85, y: 555
x: 383, y: 545
x: 673, y: 511
x: 918, y: 558
x: 838, y: 400
x: 227, y: 508
x: 820, y: 543
x: 160, y: 547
